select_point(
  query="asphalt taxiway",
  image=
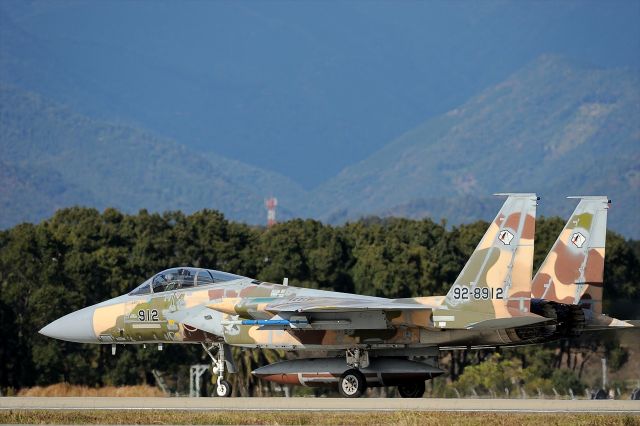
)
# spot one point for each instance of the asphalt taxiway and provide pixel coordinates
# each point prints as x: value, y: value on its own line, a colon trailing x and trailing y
x: 323, y: 404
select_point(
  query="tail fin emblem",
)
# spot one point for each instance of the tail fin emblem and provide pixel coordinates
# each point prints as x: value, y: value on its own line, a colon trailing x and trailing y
x: 578, y: 239
x: 505, y: 237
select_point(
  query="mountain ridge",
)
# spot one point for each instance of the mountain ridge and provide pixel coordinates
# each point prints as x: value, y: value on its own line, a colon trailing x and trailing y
x: 111, y: 165
x: 515, y: 136
x: 551, y: 128
x: 272, y: 85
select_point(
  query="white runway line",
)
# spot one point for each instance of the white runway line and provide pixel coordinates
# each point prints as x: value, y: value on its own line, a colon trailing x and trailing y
x: 324, y: 404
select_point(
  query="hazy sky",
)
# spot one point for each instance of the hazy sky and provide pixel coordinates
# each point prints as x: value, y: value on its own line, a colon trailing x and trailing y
x: 304, y: 88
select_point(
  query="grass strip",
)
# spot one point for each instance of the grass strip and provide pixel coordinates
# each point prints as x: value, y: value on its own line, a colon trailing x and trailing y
x: 399, y: 418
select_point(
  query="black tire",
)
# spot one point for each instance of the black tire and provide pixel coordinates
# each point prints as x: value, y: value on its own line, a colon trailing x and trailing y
x: 352, y: 384
x: 412, y: 390
x: 223, y: 390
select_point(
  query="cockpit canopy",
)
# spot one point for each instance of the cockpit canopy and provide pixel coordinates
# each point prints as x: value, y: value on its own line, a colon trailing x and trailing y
x: 184, y: 277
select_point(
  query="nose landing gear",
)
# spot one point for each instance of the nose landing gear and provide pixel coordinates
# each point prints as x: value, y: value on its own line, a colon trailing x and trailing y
x: 220, y: 355
x: 223, y: 388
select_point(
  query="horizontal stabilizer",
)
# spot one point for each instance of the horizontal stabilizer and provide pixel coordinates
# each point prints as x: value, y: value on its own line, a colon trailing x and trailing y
x: 495, y: 323
x: 605, y: 322
x: 464, y: 319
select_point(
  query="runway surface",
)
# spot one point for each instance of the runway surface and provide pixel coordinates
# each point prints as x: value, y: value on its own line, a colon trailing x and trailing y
x: 323, y: 404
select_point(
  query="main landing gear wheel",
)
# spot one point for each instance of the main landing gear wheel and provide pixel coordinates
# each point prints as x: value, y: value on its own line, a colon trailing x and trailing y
x: 223, y: 389
x: 412, y: 390
x: 352, y: 384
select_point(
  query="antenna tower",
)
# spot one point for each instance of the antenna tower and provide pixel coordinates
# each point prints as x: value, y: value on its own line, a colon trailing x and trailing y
x: 270, y: 204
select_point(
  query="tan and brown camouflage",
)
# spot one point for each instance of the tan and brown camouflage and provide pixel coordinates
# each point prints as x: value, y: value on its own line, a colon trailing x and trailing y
x: 244, y: 312
x: 573, y: 271
x: 493, y: 302
x: 496, y: 281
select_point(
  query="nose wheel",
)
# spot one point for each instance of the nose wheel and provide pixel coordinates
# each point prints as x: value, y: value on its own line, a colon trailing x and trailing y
x: 218, y: 360
x: 223, y: 388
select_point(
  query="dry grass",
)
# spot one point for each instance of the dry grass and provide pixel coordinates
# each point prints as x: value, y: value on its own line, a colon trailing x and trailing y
x: 65, y: 389
x: 399, y: 418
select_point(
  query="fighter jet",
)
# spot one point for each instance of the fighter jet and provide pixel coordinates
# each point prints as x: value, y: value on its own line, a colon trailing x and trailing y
x: 370, y: 341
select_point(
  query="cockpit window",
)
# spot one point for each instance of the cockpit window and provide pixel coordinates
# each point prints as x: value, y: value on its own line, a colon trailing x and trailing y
x: 204, y: 277
x: 219, y: 276
x: 210, y: 276
x: 144, y: 288
x: 186, y: 277
x: 177, y: 278
x: 174, y: 279
x: 160, y: 281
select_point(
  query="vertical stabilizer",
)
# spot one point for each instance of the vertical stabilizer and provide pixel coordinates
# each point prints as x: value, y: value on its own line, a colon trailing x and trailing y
x: 573, y: 271
x: 496, y: 281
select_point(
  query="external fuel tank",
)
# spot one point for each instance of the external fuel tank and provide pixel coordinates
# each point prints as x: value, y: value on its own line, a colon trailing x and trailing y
x: 323, y: 372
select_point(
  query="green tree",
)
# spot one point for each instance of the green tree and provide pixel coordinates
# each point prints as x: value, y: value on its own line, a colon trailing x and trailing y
x: 81, y: 256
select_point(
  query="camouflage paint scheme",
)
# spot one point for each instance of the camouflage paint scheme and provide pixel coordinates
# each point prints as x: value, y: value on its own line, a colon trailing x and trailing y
x: 119, y: 322
x: 487, y: 306
x: 573, y: 271
x: 501, y: 263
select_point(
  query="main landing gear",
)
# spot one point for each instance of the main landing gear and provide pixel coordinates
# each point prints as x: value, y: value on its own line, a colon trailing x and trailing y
x: 352, y: 383
x: 219, y: 360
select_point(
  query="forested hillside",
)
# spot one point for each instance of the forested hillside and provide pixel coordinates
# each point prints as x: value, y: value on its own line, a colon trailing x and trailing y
x: 80, y: 256
x: 553, y: 127
x: 52, y: 157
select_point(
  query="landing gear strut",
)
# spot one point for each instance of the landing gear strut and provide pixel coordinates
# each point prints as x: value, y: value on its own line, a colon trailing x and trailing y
x: 352, y: 383
x: 217, y: 354
x: 357, y: 358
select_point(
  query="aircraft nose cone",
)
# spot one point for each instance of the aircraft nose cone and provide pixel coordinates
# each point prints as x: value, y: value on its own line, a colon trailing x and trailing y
x: 74, y: 327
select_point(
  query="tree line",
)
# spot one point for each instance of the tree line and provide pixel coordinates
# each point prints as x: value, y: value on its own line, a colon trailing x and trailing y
x: 81, y: 256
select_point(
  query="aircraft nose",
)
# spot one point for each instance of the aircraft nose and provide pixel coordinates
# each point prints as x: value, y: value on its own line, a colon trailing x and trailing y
x: 74, y: 327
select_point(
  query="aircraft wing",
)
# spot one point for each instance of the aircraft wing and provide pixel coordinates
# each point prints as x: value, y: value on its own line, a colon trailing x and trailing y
x: 341, y: 305
x: 367, y: 313
x: 325, y: 313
